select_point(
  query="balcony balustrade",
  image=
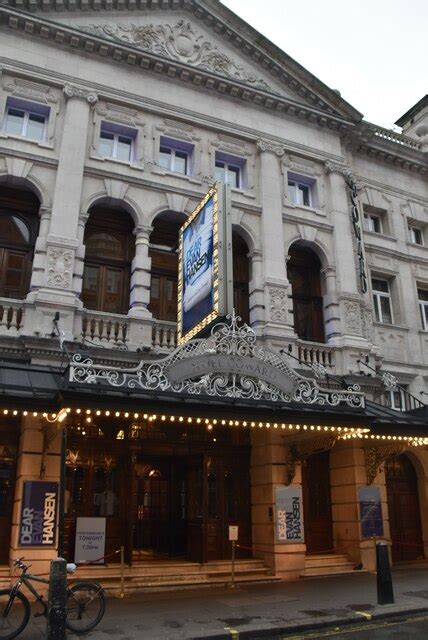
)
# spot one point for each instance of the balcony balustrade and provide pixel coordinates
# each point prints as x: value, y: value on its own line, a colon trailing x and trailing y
x: 11, y: 316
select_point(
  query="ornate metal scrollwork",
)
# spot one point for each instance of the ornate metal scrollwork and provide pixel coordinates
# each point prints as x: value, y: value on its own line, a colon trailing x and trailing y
x: 226, y: 364
x: 376, y: 456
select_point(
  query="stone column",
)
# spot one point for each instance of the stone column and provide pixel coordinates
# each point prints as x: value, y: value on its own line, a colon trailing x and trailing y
x: 57, y: 292
x: 276, y: 285
x: 269, y: 470
x: 257, y: 313
x: 141, y: 317
x: 38, y: 458
x: 331, y: 303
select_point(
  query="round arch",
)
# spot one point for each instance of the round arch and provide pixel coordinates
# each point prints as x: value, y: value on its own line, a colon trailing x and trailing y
x: 125, y: 204
x: 314, y: 245
x: 29, y: 184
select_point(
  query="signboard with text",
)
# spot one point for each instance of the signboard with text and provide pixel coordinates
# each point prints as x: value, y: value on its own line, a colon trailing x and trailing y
x: 289, y: 515
x: 370, y: 511
x: 37, y: 527
x: 204, y: 272
x: 90, y: 540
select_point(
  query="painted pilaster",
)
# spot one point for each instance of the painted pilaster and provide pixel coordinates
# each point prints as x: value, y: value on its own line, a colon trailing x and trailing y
x: 38, y: 458
x: 276, y: 284
x: 59, y: 289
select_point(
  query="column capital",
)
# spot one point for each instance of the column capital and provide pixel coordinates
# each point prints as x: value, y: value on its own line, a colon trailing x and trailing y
x: 344, y: 171
x: 80, y: 93
x: 265, y: 146
x: 329, y: 270
x: 143, y: 231
x: 44, y: 210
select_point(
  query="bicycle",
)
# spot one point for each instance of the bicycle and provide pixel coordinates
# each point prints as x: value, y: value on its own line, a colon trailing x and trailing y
x: 86, y: 604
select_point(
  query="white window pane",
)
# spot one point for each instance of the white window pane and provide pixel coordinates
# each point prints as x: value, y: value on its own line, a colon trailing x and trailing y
x: 380, y: 285
x: 165, y: 158
x: 292, y: 192
x: 376, y: 308
x: 124, y: 146
x: 180, y: 164
x: 14, y: 121
x: 376, y: 225
x: 35, y: 126
x: 106, y: 144
x: 233, y: 177
x: 303, y: 195
x: 219, y: 172
x: 385, y: 304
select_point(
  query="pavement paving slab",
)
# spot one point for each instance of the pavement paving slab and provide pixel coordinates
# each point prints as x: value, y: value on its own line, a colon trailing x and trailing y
x: 252, y: 610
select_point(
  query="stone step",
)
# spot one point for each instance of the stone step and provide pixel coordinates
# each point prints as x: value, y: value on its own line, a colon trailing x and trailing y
x: 327, y: 560
x: 137, y: 573
x: 318, y: 572
x: 327, y: 564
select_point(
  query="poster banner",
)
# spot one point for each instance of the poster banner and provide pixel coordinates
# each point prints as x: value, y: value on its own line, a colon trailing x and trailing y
x: 204, y: 259
x: 90, y: 540
x: 289, y: 515
x: 370, y: 511
x: 38, y: 514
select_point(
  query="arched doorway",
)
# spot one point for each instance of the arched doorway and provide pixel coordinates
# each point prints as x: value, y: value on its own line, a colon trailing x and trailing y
x: 110, y: 248
x: 404, y: 509
x: 304, y: 273
x: 317, y: 503
x: 19, y: 227
x: 9, y: 436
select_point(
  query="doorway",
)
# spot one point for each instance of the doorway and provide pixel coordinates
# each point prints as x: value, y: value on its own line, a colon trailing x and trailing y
x: 9, y: 435
x: 317, y: 503
x: 404, y: 509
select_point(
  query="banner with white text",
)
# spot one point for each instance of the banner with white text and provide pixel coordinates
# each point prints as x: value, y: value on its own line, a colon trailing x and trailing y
x: 39, y: 510
x: 289, y: 515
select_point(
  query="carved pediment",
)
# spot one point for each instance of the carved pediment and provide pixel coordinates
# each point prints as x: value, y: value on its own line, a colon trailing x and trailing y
x: 180, y: 42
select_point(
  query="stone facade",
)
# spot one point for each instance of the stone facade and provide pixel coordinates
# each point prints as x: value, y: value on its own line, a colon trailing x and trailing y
x: 191, y: 71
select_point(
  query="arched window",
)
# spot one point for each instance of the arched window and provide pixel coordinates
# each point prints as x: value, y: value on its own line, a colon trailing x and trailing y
x: 304, y: 273
x: 110, y: 248
x: 241, y: 278
x: 19, y: 226
x: 164, y: 272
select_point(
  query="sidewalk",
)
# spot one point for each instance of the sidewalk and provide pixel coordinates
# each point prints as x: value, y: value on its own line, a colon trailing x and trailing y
x: 253, y: 610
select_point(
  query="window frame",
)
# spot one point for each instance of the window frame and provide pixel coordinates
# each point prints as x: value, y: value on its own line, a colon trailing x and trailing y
x: 28, y: 109
x: 423, y: 308
x: 369, y: 225
x: 412, y: 228
x: 376, y: 296
x: 230, y: 164
x: 296, y: 181
x: 117, y: 131
x: 389, y: 393
x: 173, y: 154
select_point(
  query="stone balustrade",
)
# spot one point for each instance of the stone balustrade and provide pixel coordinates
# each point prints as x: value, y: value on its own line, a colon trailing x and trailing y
x: 314, y: 353
x: 164, y: 335
x: 11, y: 316
x: 106, y: 329
x: 394, y: 136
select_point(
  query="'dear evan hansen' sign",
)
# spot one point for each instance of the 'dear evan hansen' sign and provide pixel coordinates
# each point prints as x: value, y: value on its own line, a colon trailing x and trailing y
x: 38, y: 514
x: 288, y: 515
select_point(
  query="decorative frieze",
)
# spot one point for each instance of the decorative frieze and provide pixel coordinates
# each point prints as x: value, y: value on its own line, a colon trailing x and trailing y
x: 59, y: 272
x: 277, y: 304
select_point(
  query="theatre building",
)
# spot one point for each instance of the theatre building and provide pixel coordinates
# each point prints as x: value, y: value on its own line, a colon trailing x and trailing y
x: 163, y: 155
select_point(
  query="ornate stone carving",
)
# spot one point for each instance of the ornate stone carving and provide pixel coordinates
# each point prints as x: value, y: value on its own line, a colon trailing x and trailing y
x: 73, y: 91
x: 389, y: 381
x: 367, y: 324
x: 277, y: 304
x: 353, y: 318
x: 31, y: 90
x: 376, y: 456
x: 178, y: 42
x: 264, y: 146
x: 59, y: 267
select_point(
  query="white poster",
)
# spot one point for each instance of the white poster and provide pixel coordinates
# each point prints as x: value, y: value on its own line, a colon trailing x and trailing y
x: 90, y: 540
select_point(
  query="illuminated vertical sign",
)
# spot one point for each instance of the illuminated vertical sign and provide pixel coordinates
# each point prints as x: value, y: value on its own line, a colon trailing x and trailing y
x: 204, y: 265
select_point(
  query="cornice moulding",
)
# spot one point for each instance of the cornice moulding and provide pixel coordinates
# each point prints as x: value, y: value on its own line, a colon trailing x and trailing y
x: 53, y: 32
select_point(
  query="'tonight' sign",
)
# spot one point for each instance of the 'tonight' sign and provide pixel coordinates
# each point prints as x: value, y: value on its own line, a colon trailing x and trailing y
x: 38, y: 514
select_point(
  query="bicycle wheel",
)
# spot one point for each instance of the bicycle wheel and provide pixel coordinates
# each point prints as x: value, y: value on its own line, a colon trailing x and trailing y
x: 13, y: 616
x: 86, y: 605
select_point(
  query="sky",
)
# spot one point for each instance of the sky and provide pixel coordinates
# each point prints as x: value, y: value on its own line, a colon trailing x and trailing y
x: 375, y: 52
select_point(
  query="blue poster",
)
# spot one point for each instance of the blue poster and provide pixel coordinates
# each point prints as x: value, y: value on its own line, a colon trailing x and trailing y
x: 197, y: 268
x: 370, y: 511
x: 38, y: 514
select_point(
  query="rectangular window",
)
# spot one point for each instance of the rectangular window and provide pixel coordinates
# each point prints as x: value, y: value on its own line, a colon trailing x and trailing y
x: 395, y: 399
x: 175, y: 155
x: 229, y: 170
x: 382, y: 301
x: 423, y: 306
x: 416, y: 235
x: 116, y: 142
x: 26, y: 119
x: 301, y: 190
x: 373, y: 223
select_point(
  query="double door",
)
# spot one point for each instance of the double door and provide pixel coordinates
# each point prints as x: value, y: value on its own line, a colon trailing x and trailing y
x: 317, y: 503
x: 185, y: 506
